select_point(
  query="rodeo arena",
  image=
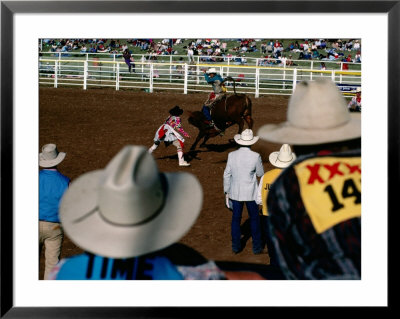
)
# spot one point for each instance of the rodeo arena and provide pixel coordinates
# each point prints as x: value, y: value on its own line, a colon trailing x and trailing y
x: 200, y: 159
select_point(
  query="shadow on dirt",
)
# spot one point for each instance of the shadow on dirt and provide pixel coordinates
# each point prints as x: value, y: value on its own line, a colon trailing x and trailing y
x: 218, y: 148
x: 193, y: 154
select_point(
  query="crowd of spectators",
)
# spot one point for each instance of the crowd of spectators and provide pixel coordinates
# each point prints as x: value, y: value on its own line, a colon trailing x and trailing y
x: 271, y: 52
x: 318, y: 49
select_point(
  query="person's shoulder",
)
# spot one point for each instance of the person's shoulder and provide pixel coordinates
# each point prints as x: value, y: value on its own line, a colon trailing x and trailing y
x: 230, y: 154
x: 254, y: 153
x: 273, y: 172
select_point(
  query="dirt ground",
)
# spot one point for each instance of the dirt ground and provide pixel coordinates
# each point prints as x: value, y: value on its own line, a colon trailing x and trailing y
x: 92, y: 126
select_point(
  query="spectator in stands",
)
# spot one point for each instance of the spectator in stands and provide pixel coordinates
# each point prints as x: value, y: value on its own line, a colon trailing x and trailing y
x: 345, y: 66
x: 306, y: 55
x: 190, y: 54
x: 289, y: 61
x: 270, y: 46
x: 129, y: 60
x: 315, y: 54
x: 52, y: 185
x: 224, y: 47
x: 357, y: 58
x: 263, y: 48
x: 305, y: 46
x: 356, y: 46
x: 315, y: 204
x: 283, y: 60
x: 53, y: 47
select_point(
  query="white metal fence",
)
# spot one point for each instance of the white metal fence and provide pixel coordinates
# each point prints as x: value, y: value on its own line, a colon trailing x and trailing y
x: 151, y: 75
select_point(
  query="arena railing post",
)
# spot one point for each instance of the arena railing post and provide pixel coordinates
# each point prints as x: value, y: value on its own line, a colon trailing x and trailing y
x: 151, y: 78
x: 170, y: 68
x: 312, y: 68
x: 294, y: 79
x: 185, y: 83
x: 114, y: 63
x: 341, y: 76
x: 117, y: 78
x: 257, y: 94
x: 284, y: 74
x: 197, y: 74
x: 85, y: 71
x: 55, y: 74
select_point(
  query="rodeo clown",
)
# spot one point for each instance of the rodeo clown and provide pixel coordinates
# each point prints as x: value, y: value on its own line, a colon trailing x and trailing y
x: 219, y: 89
x: 170, y: 132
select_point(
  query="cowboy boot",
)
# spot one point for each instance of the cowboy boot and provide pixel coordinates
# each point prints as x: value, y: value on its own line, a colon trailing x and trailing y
x: 182, y: 162
x: 154, y: 147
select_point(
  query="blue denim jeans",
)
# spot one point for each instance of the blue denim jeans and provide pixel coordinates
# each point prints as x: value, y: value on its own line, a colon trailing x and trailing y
x: 268, y: 240
x: 255, y: 228
x: 206, y: 112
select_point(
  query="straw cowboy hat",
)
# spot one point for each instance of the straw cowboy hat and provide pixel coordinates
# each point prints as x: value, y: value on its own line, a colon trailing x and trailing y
x: 358, y: 90
x: 283, y: 158
x: 246, y: 138
x: 211, y: 70
x: 50, y: 156
x: 317, y: 114
x: 129, y: 208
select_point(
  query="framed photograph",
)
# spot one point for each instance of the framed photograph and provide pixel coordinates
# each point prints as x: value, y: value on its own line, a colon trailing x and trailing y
x: 25, y: 28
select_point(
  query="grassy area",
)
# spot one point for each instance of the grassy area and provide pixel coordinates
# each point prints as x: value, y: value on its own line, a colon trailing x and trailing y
x: 231, y: 44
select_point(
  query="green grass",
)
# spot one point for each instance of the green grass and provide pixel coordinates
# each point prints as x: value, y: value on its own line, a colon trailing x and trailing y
x: 180, y: 48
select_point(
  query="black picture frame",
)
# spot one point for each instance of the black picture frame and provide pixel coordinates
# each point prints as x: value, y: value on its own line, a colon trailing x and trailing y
x: 9, y: 8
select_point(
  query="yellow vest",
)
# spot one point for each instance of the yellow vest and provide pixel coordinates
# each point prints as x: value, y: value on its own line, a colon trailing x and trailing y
x: 267, y: 180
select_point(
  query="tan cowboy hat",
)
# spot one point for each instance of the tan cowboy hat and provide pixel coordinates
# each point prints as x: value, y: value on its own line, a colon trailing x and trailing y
x: 283, y: 158
x: 129, y: 208
x: 317, y: 114
x: 50, y: 156
x: 211, y: 70
x: 246, y: 138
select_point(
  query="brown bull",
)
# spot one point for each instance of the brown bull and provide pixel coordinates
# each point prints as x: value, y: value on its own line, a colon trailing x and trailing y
x: 230, y: 110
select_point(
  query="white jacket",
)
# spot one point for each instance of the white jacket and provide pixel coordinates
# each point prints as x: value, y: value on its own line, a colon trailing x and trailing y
x: 240, y: 175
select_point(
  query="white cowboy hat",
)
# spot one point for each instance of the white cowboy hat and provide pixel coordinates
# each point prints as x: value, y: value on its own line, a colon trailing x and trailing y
x: 283, y: 158
x: 50, y: 156
x: 211, y: 70
x: 358, y: 89
x: 246, y: 138
x: 317, y: 114
x: 129, y: 208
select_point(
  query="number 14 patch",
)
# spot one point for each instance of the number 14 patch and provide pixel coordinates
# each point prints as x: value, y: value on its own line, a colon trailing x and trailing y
x: 331, y: 189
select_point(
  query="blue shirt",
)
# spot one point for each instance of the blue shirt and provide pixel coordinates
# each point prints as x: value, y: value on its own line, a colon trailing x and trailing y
x: 92, y: 267
x: 52, y: 185
x: 211, y: 80
x: 215, y: 81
